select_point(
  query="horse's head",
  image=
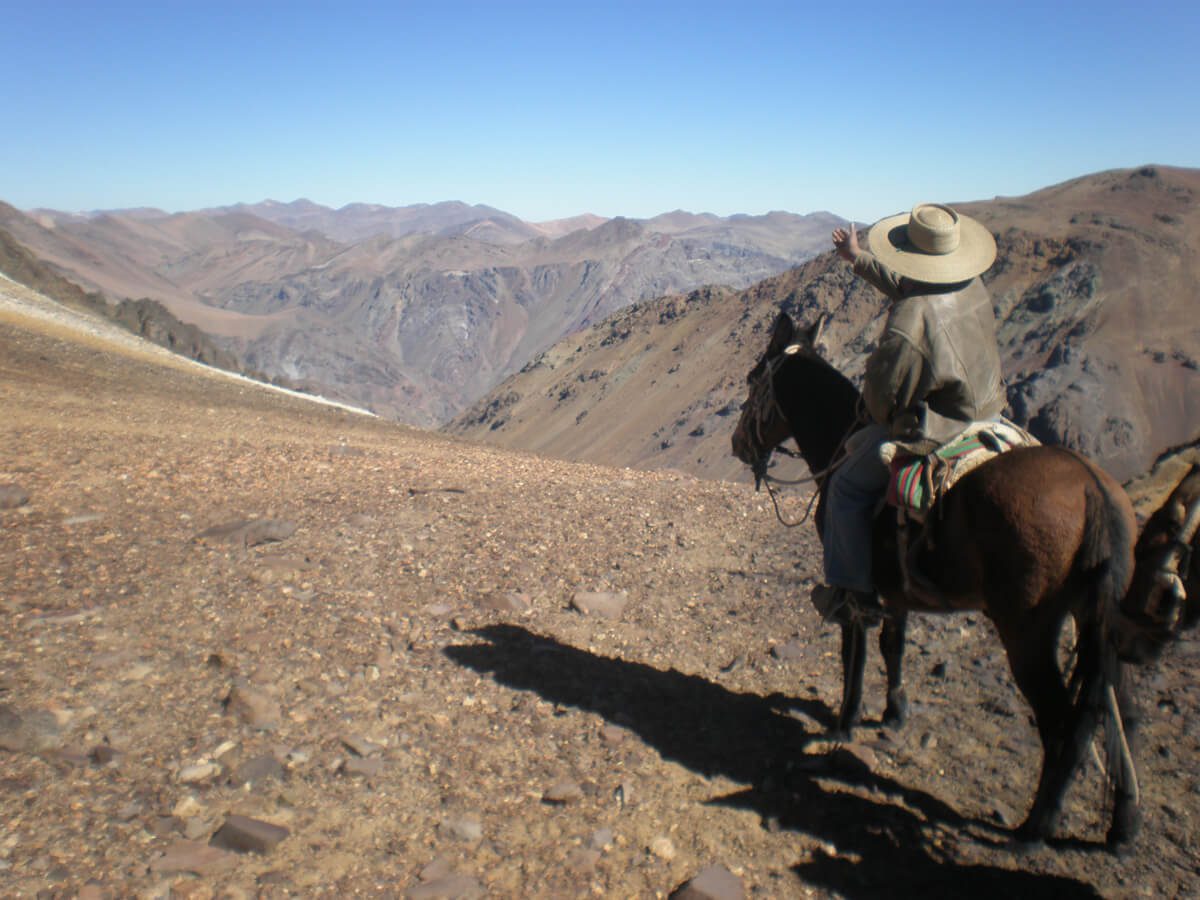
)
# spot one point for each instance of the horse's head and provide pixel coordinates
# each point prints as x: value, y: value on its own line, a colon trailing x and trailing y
x: 763, y: 426
x: 1164, y: 598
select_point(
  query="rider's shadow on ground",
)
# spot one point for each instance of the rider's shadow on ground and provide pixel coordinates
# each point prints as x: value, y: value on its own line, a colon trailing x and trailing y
x: 882, y: 839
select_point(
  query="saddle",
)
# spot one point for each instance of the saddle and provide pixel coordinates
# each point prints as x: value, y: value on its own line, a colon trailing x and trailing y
x: 918, y: 482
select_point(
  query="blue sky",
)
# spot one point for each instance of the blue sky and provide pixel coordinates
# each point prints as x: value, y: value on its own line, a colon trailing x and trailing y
x: 553, y: 109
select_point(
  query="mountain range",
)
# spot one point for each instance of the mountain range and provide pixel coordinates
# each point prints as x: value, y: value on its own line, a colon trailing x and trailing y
x: 626, y: 341
x: 413, y: 312
x: 1094, y: 290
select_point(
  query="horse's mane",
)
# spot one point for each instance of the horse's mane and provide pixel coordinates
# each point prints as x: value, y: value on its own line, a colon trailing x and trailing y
x: 820, y: 404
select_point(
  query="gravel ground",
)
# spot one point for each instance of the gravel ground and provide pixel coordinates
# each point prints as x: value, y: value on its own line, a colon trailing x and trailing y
x: 258, y: 646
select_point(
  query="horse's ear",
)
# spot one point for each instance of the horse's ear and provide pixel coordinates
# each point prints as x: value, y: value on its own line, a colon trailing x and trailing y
x: 783, y: 332
x: 816, y: 331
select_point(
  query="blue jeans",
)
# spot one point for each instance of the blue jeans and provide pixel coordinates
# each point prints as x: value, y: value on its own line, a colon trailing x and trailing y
x: 854, y: 491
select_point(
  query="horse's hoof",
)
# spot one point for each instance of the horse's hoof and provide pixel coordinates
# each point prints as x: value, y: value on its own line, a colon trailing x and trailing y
x: 1022, y: 845
x: 1121, y: 836
x: 895, y: 717
x: 1125, y: 825
x: 839, y: 734
x: 1026, y: 840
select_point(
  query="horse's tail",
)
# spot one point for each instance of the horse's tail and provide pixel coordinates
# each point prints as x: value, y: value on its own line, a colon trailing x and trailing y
x: 1105, y: 561
x: 1105, y: 555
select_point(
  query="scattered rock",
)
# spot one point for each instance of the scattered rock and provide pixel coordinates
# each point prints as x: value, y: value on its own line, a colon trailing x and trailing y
x: 507, y: 601
x: 12, y: 496
x: 362, y: 746
x: 563, y: 792
x: 243, y: 834
x: 435, y: 869
x: 601, y: 838
x: 466, y: 828
x: 257, y: 770
x: 187, y: 807
x: 613, y: 734
x: 104, y: 755
x: 736, y: 663
x: 195, y: 829
x: 195, y: 857
x: 69, y: 756
x: 82, y: 519
x: 854, y: 757
x: 137, y: 672
x: 247, y: 532
x: 714, y: 883
x: 624, y: 793
x: 663, y: 847
x: 364, y: 768
x: 605, y: 604
x: 452, y: 887
x: 199, y: 772
x: 790, y: 651
x: 582, y: 859
x: 278, y: 567
x: 130, y: 811
x: 164, y: 826
x: 254, y: 708
x: 1004, y: 814
x: 30, y: 732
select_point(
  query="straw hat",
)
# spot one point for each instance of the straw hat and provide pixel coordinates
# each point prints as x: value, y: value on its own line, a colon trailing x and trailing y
x: 933, y: 244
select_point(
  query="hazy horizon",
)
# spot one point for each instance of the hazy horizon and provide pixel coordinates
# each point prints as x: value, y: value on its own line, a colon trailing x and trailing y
x: 549, y: 111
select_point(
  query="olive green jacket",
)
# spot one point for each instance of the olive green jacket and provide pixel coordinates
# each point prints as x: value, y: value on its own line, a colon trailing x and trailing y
x: 937, y: 366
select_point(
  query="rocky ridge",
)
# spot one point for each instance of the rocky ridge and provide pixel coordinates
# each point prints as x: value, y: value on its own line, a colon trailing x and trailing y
x: 1095, y: 295
x: 415, y: 322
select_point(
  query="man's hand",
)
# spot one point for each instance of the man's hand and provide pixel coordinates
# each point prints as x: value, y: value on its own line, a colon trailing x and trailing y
x: 846, y: 243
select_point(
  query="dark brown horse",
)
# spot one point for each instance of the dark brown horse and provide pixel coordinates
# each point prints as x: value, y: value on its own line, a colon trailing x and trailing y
x: 1034, y: 536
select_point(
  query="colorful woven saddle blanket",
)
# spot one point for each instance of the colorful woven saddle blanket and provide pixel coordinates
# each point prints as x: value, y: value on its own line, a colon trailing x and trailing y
x: 918, y: 482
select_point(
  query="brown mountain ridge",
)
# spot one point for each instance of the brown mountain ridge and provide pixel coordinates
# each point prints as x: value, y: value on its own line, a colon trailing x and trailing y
x: 1095, y: 294
x: 425, y: 308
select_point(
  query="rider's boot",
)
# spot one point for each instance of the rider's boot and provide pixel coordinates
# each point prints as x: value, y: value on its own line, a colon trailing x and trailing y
x: 839, y: 604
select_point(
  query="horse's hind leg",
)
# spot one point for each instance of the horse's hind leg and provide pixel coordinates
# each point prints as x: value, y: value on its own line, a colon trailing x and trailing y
x: 1031, y: 654
x: 891, y: 646
x: 854, y: 659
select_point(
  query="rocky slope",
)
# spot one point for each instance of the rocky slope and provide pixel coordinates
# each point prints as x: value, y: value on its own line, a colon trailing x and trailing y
x: 427, y: 309
x: 256, y: 646
x: 1095, y: 294
x: 145, y: 318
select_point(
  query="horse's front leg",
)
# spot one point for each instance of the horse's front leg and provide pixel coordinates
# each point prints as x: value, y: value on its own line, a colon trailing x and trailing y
x: 854, y: 659
x: 1126, y: 816
x: 891, y: 646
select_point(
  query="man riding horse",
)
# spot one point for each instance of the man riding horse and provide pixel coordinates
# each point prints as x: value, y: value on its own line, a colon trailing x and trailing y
x: 935, y: 370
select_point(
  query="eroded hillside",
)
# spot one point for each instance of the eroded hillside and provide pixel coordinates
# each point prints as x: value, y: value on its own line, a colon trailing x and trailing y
x: 1095, y: 295
x: 420, y: 310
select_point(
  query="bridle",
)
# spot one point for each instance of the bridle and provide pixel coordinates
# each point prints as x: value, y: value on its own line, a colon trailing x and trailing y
x: 762, y: 401
x: 1168, y: 596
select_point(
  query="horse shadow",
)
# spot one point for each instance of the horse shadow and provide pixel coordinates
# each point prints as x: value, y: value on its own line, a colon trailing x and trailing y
x: 880, y: 832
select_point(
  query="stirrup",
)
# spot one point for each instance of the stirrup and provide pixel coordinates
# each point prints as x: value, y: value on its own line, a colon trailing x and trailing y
x: 847, y: 607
